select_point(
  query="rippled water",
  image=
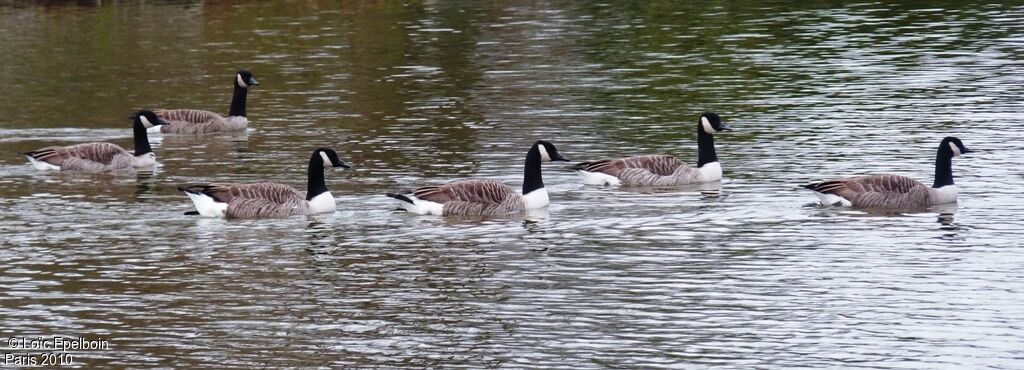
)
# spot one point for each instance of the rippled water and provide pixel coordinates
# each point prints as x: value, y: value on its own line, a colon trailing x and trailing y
x: 424, y: 93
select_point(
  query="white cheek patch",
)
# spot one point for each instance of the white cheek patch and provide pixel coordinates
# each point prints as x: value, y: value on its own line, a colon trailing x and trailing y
x: 707, y: 125
x: 544, y: 156
x: 241, y: 82
x: 327, y: 161
x: 956, y: 150
x: 145, y: 121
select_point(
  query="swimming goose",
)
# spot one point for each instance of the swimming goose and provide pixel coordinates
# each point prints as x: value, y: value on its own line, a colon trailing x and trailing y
x: 485, y: 197
x: 195, y: 121
x: 268, y: 199
x: 660, y: 170
x: 895, y: 191
x: 100, y: 156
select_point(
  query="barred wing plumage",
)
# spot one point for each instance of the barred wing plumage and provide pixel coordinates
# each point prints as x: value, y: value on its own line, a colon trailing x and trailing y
x: 474, y: 197
x: 646, y: 170
x: 195, y: 121
x: 878, y: 191
x: 86, y: 157
x: 265, y: 199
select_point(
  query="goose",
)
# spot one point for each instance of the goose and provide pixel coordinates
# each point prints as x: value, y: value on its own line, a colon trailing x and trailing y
x: 100, y: 156
x: 195, y: 121
x: 485, y: 197
x: 661, y: 170
x: 268, y: 199
x: 895, y: 191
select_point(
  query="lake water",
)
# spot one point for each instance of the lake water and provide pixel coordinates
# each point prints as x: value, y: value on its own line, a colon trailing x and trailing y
x: 423, y: 93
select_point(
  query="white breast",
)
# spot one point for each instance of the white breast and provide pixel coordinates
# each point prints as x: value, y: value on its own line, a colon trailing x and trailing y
x: 322, y: 203
x: 145, y: 160
x: 711, y: 172
x: 945, y: 194
x: 536, y: 199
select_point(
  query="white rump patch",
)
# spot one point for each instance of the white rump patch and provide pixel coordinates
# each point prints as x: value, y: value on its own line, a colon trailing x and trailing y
x: 241, y: 82
x: 536, y: 199
x: 208, y: 207
x: 42, y: 165
x: 832, y: 199
x: 544, y: 156
x: 707, y: 125
x: 327, y: 160
x: 322, y: 203
x: 956, y: 149
x: 598, y: 178
x: 420, y: 206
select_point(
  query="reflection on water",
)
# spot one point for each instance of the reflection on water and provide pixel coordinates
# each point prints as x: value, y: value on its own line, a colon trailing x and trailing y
x: 740, y: 274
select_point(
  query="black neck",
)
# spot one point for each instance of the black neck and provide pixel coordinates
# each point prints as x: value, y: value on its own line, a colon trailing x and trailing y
x: 141, y: 139
x: 705, y: 148
x: 238, y: 101
x: 943, y: 166
x: 315, y: 184
x: 531, y: 175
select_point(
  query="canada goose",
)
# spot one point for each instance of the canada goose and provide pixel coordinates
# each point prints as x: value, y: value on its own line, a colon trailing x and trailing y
x: 660, y: 170
x: 195, y: 121
x: 268, y: 199
x: 895, y: 191
x: 485, y: 197
x: 100, y: 156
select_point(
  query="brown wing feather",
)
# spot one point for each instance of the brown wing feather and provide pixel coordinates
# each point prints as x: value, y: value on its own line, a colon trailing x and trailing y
x: 475, y: 191
x: 662, y: 165
x: 605, y: 166
x: 97, y: 152
x: 261, y: 208
x: 268, y: 191
x: 187, y: 115
x: 50, y: 154
x: 193, y: 121
x: 885, y: 183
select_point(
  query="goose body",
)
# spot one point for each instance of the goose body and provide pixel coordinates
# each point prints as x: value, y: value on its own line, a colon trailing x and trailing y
x: 895, y: 191
x: 485, y: 197
x: 660, y: 170
x: 268, y: 199
x: 195, y: 121
x: 647, y: 170
x: 100, y: 156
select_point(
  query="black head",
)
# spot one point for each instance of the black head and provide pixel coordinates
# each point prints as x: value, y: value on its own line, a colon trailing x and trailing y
x: 329, y: 158
x: 147, y: 118
x: 711, y: 123
x: 244, y: 79
x: 954, y: 146
x: 548, y: 152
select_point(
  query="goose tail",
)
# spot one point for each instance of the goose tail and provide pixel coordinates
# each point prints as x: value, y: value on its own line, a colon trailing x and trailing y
x: 400, y: 197
x: 206, y: 205
x: 193, y: 189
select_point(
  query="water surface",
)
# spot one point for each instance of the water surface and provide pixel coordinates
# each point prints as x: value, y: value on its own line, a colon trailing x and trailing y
x: 423, y: 93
